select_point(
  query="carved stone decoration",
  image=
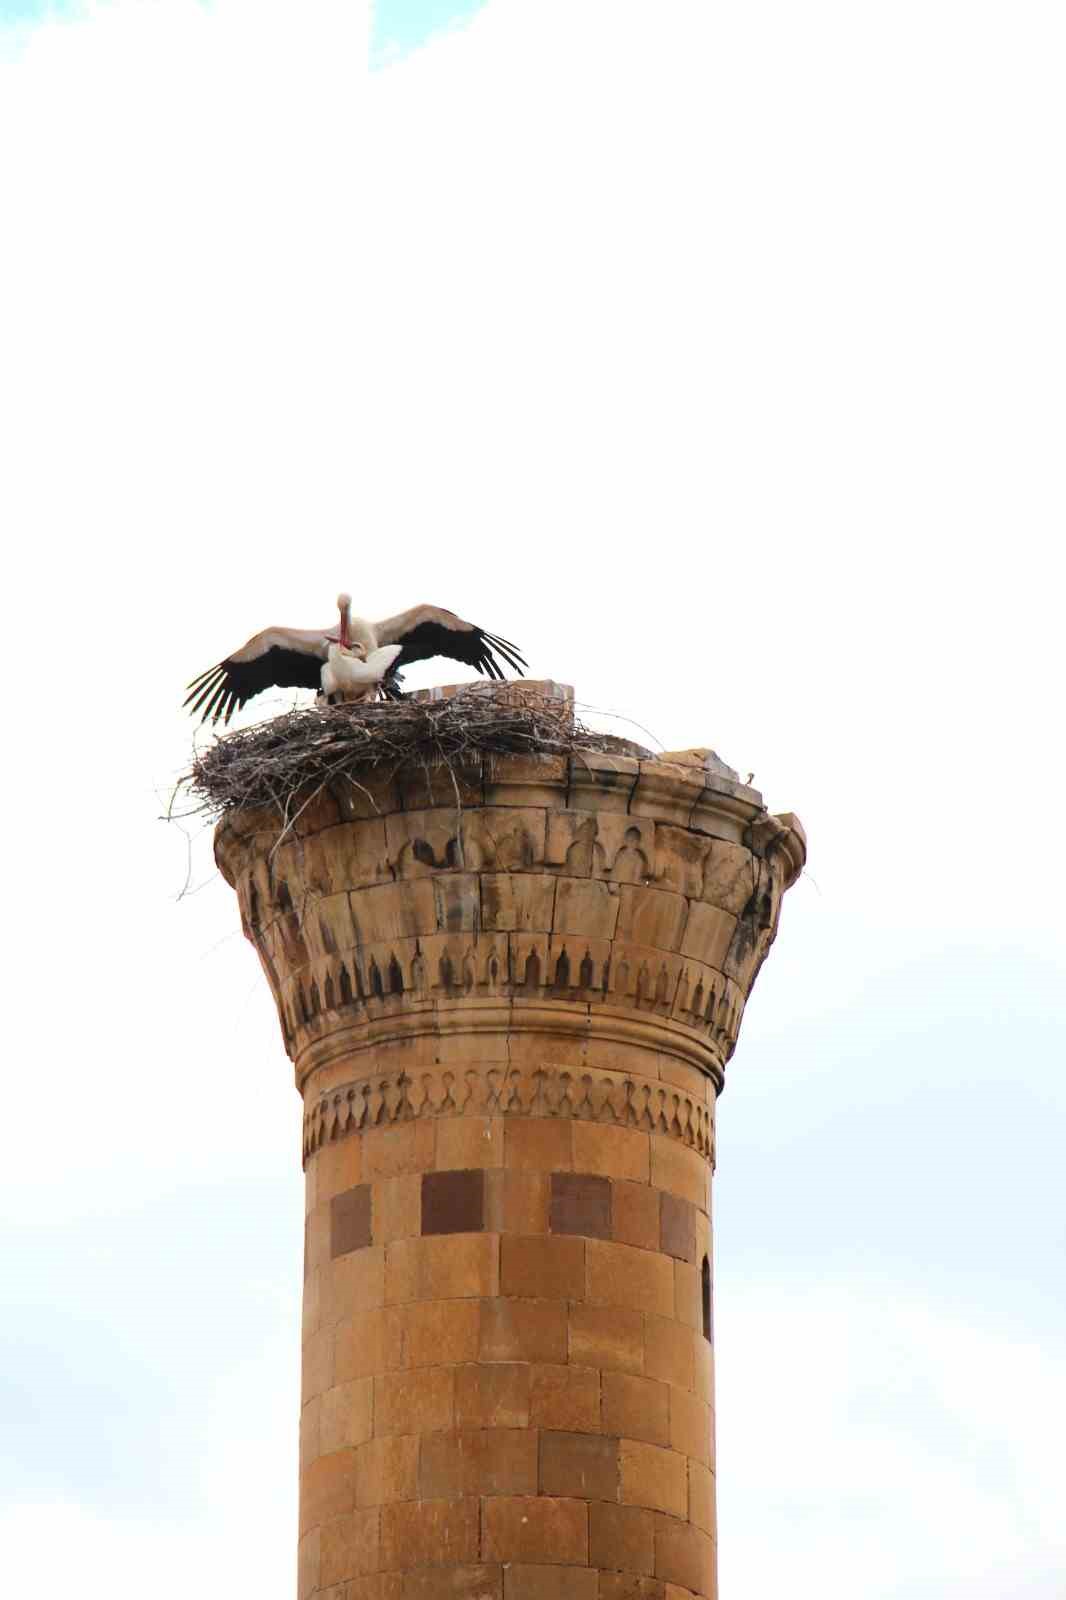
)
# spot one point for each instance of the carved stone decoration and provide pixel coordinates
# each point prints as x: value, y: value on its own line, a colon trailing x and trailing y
x: 510, y: 998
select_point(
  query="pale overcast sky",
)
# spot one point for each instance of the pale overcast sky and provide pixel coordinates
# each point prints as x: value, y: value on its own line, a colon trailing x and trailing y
x: 715, y: 353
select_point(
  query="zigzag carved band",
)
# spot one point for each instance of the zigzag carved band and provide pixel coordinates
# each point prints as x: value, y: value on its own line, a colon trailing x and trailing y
x: 500, y: 1091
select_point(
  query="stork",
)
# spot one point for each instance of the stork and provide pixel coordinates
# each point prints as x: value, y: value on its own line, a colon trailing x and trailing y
x: 356, y: 658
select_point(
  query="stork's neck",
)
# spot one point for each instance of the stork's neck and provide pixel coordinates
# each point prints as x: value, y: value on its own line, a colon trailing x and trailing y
x: 362, y: 632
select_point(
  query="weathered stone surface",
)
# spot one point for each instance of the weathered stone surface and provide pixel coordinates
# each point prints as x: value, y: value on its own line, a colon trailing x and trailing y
x: 510, y: 1017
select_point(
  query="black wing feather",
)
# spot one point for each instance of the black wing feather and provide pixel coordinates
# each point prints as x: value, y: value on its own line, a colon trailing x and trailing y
x: 222, y: 690
x: 471, y: 646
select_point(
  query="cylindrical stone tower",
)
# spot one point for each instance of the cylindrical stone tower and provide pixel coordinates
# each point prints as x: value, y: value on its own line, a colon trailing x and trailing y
x: 509, y: 1009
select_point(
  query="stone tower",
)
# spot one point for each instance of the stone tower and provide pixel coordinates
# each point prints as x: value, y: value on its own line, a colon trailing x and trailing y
x: 509, y: 1010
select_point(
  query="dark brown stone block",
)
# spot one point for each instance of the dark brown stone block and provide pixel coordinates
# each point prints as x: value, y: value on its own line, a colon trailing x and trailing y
x: 349, y: 1220
x: 581, y: 1203
x: 453, y: 1202
x: 677, y: 1222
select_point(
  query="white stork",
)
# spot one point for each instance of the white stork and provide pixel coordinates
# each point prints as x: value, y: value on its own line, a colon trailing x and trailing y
x: 301, y: 657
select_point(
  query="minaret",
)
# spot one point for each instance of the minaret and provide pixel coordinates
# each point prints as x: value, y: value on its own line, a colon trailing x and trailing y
x: 509, y: 1005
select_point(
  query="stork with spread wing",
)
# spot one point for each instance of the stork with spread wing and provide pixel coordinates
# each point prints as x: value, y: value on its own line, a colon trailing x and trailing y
x: 354, y: 660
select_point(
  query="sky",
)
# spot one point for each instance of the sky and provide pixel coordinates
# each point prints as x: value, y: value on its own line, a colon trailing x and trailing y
x: 713, y: 353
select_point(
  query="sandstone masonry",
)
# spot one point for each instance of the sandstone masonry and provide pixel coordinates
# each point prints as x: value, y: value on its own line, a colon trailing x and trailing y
x: 509, y: 1003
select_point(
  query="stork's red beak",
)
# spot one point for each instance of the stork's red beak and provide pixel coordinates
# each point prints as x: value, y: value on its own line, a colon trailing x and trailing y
x: 345, y: 638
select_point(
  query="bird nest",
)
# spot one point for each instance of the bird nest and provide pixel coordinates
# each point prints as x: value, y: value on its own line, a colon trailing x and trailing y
x: 284, y: 764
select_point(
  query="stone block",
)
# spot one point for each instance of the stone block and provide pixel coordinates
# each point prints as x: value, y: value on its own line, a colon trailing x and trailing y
x: 579, y: 1465
x: 533, y: 780
x: 360, y: 1346
x: 628, y: 1586
x: 345, y: 1414
x: 585, y: 908
x: 651, y: 916
x: 375, y: 795
x: 704, y: 1376
x: 310, y: 1431
x: 495, y: 1395
x: 414, y: 1402
x: 670, y: 1353
x: 429, y: 1533
x: 349, y: 1220
x: 565, y: 1398
x: 317, y: 1364
x: 580, y: 1204
x: 728, y: 876
x: 403, y: 1265
x: 524, y: 1582
x: 411, y: 1147
x: 607, y: 1337
x: 475, y: 1461
x: 576, y: 967
x: 517, y: 903
x: 352, y: 1284
x: 540, y: 1267
x: 643, y: 976
x: 466, y: 1143
x: 516, y: 1202
x: 612, y: 1151
x: 349, y: 1546
x: 635, y: 1215
x: 537, y: 1531
x: 327, y: 1489
x: 337, y: 1166
x: 308, y: 1564
x: 326, y: 925
x: 311, y: 1316
x: 680, y: 1169
x: 666, y: 793
x: 453, y: 1202
x: 396, y: 1208
x: 688, y: 1295
x: 622, y: 1537
x: 523, y: 1330
x: 639, y: 1280
x: 678, y: 1228
x: 386, y: 1469
x: 653, y: 1477
x: 573, y: 845
x: 681, y: 1076
x: 446, y: 1583
x: 708, y: 934
x: 684, y: 1555
x: 691, y: 1426
x: 602, y: 782
x: 430, y: 1333
x: 421, y: 841
x: 679, y: 860
x: 459, y: 1265
x: 375, y: 1586
x: 701, y: 1511
x: 392, y: 911
x: 538, y: 1144
x: 458, y: 901
x: 636, y: 1408
x: 350, y: 856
